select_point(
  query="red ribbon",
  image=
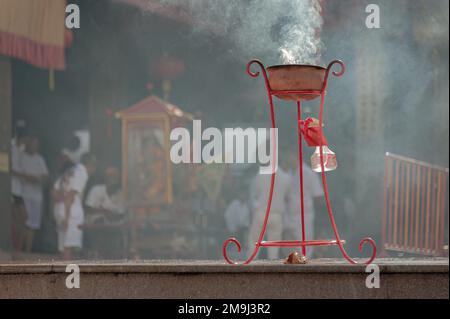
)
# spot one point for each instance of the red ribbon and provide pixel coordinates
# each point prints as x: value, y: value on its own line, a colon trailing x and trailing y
x: 312, y: 133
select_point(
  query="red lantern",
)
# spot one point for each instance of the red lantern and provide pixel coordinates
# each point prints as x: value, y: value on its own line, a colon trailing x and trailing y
x: 168, y: 67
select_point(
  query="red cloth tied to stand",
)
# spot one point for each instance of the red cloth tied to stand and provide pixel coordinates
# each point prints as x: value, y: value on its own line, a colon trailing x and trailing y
x: 311, y: 132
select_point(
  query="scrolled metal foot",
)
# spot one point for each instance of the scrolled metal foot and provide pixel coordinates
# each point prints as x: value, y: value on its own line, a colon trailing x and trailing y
x: 374, y: 248
x: 225, y: 246
x: 239, y: 248
x: 363, y: 241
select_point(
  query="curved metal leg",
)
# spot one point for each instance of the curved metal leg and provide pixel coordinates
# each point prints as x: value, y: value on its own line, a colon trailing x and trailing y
x: 327, y: 199
x: 272, y: 180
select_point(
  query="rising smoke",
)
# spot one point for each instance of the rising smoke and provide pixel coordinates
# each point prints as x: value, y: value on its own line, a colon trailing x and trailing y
x: 285, y: 31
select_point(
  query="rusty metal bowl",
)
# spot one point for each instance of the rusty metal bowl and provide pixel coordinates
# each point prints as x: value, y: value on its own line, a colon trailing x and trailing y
x: 296, y: 77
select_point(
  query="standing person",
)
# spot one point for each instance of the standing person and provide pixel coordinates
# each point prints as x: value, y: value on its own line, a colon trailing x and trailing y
x: 261, y: 189
x: 18, y: 209
x: 68, y: 193
x: 34, y: 174
x: 313, y: 192
x: 60, y: 190
x: 237, y: 215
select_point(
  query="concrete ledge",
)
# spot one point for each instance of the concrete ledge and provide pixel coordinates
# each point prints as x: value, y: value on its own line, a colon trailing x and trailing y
x: 326, y: 278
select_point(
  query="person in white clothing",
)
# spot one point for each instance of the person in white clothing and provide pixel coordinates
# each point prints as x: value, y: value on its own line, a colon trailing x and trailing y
x: 78, y: 145
x: 105, y: 202
x: 237, y: 215
x: 260, y: 189
x: 69, y: 214
x: 313, y: 191
x: 17, y: 149
x: 105, y: 216
x: 33, y: 175
x: 18, y: 209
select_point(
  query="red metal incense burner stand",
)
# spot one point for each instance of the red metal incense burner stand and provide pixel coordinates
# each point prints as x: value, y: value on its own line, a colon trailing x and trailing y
x: 297, y: 83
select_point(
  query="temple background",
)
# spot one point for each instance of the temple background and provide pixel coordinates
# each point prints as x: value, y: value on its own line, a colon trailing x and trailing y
x: 394, y: 96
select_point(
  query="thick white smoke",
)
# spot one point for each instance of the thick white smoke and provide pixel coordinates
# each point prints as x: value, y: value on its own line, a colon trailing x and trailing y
x: 286, y: 30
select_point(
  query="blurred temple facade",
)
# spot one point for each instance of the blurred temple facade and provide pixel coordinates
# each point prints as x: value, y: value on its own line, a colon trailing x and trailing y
x: 134, y: 70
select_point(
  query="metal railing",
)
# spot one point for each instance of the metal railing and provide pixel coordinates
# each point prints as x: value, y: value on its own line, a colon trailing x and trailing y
x: 415, y: 211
